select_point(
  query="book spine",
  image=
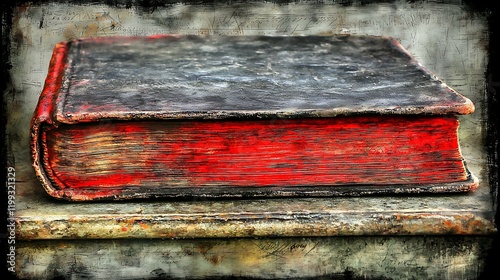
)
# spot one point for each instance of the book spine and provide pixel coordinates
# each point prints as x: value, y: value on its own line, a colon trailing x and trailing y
x: 44, y: 112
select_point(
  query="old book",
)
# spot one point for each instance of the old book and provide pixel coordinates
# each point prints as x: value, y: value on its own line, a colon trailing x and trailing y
x: 245, y: 116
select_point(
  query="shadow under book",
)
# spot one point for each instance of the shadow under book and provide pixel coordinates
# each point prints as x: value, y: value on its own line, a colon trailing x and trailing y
x: 245, y: 116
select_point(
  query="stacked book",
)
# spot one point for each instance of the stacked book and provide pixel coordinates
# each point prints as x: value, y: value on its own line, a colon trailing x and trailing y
x: 245, y: 116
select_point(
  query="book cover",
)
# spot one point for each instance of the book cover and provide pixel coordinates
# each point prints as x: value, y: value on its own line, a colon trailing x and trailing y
x: 245, y: 116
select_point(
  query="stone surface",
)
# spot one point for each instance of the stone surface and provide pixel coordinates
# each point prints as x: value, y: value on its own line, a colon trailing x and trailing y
x: 278, y: 258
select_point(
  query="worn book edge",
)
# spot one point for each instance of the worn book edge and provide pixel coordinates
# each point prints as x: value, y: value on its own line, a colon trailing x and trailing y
x: 94, y: 194
x: 44, y: 110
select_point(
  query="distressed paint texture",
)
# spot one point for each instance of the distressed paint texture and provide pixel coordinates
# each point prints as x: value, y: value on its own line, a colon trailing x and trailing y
x: 448, y: 38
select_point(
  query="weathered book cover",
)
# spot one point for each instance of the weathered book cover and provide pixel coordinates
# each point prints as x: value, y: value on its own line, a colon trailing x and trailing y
x: 245, y: 116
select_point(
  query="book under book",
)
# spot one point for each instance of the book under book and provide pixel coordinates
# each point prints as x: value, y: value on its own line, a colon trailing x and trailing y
x: 245, y: 116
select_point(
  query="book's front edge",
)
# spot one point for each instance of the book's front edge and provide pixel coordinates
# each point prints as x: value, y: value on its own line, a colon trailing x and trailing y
x: 133, y: 193
x: 44, y: 114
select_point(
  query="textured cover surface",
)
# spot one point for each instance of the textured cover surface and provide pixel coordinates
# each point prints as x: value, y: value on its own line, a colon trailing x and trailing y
x: 191, y: 77
x: 212, y: 77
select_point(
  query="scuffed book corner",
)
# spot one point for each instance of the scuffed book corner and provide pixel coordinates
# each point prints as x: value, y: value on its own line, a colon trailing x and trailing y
x: 245, y: 116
